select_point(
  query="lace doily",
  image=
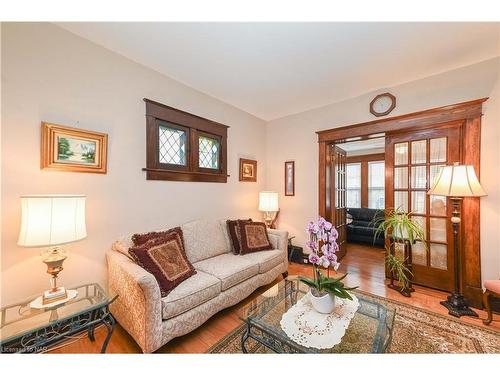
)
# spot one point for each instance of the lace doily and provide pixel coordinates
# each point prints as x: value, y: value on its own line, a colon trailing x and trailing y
x: 309, y: 328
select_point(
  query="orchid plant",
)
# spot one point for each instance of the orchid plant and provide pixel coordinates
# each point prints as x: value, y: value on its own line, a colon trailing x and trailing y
x: 323, y: 245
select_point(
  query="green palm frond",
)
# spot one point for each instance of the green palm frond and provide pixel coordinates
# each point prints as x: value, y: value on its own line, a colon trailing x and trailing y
x: 398, y: 268
x: 398, y: 225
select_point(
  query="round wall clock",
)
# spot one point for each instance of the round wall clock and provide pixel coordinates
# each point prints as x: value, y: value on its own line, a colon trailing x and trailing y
x: 383, y: 104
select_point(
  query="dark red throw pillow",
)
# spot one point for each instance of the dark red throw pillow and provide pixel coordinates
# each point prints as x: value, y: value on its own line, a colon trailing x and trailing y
x: 142, y: 238
x: 234, y: 234
x: 165, y: 258
x: 253, y: 237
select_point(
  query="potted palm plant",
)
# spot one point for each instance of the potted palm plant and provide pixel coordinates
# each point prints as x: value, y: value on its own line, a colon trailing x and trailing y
x: 323, y: 245
x: 403, y: 232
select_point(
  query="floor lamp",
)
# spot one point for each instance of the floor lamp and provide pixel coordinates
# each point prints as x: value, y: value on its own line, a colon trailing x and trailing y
x: 457, y: 181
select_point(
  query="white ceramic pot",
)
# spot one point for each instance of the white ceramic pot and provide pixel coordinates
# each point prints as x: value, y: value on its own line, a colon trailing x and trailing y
x: 324, y: 304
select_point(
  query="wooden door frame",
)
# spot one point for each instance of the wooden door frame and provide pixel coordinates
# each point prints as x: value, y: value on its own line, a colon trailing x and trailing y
x: 470, y: 114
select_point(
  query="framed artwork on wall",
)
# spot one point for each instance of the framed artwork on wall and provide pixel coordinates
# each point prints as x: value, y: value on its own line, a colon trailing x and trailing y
x: 73, y: 150
x: 248, y: 170
x: 289, y: 178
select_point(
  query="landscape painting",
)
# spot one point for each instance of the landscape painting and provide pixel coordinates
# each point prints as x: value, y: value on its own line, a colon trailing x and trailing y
x: 73, y: 150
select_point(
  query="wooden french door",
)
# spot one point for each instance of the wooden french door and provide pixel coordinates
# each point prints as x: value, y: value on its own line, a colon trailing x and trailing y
x: 338, y: 167
x: 413, y: 161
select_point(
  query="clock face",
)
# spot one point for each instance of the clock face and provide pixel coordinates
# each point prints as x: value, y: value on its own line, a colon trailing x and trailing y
x: 382, y: 104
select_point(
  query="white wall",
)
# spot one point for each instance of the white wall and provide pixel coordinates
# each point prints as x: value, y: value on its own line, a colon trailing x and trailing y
x: 49, y: 74
x: 294, y: 138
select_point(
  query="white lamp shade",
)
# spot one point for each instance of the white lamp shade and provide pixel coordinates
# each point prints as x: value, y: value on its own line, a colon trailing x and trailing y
x: 48, y: 220
x: 457, y: 181
x: 268, y: 201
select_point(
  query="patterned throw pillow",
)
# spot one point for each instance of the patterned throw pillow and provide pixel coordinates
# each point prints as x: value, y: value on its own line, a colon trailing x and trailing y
x: 165, y: 258
x: 234, y: 233
x: 142, y: 238
x: 253, y: 237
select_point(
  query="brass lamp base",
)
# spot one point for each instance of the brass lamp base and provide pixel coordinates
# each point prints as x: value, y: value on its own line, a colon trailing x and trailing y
x: 270, y: 219
x: 54, y: 259
x: 50, y: 295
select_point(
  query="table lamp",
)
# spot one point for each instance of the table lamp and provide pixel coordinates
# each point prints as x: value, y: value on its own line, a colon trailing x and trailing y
x: 51, y: 221
x: 457, y: 181
x: 268, y: 203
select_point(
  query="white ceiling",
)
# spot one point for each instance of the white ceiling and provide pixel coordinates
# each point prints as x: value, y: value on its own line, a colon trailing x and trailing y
x: 276, y: 69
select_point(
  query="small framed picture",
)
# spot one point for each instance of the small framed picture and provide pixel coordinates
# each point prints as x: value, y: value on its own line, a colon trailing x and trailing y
x: 248, y: 170
x: 289, y: 178
x: 73, y: 150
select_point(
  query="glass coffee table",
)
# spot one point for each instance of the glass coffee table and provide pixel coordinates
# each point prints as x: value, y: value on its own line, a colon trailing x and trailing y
x: 28, y: 330
x: 370, y: 330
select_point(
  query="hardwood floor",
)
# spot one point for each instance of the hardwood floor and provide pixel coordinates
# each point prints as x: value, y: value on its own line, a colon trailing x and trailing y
x: 365, y: 268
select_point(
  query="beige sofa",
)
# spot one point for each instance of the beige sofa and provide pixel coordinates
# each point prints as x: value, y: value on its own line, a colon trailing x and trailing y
x: 222, y: 280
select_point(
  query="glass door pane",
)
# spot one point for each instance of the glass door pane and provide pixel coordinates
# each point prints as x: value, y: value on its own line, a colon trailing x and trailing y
x: 401, y: 153
x: 401, y: 178
x: 419, y: 152
x: 438, y: 150
x: 419, y: 177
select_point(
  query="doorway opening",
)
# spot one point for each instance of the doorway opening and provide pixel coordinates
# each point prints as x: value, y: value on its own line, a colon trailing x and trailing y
x: 363, y: 250
x: 417, y: 145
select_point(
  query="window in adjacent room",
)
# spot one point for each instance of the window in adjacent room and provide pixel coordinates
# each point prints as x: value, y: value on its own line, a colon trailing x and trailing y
x: 184, y: 147
x: 376, y: 184
x: 353, y: 185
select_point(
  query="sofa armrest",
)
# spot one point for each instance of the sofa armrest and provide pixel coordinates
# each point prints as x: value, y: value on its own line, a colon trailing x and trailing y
x: 138, y: 306
x: 279, y: 240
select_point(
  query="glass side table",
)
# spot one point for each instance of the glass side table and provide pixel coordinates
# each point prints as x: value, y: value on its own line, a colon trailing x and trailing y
x: 27, y: 330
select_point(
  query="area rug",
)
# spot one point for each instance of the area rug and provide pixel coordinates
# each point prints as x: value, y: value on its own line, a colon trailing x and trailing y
x: 415, y: 331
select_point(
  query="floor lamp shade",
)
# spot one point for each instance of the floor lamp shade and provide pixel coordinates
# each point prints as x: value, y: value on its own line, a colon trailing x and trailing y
x: 457, y: 181
x: 50, y: 220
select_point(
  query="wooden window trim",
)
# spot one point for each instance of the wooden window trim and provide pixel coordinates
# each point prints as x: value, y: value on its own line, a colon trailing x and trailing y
x: 364, y: 160
x: 194, y: 127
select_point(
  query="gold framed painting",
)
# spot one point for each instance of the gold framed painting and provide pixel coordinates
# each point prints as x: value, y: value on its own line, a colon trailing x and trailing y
x: 73, y: 150
x: 248, y: 170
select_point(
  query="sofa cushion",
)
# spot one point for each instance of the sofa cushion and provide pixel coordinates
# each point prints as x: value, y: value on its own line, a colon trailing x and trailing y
x: 164, y: 257
x: 230, y: 269
x: 141, y: 238
x: 362, y: 223
x: 253, y: 237
x: 366, y: 214
x: 234, y: 234
x: 192, y: 292
x: 266, y: 260
x: 204, y: 239
x: 122, y: 245
x: 225, y: 233
x: 361, y: 230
